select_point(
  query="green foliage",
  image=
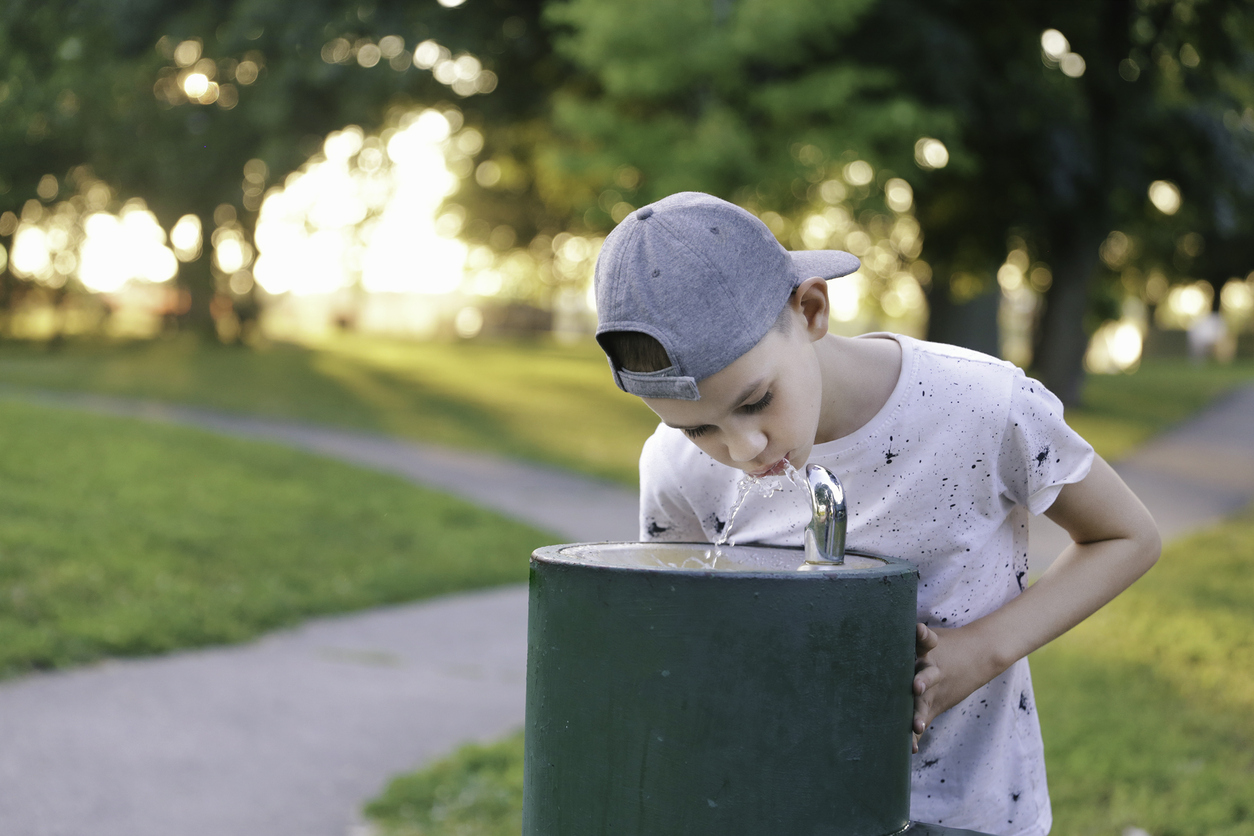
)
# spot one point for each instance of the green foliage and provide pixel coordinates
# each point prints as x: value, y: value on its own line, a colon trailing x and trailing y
x: 182, y: 156
x: 716, y: 97
x: 123, y: 537
x: 476, y: 791
x: 724, y: 97
x: 97, y: 83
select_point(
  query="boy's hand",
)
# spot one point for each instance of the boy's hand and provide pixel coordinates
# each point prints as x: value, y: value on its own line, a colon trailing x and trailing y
x: 948, y: 668
x: 1114, y: 542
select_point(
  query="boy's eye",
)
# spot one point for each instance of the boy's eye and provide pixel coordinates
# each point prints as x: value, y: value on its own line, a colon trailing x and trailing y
x: 749, y: 408
x: 759, y: 405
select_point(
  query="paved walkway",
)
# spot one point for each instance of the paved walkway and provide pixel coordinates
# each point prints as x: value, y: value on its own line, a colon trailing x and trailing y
x: 288, y: 735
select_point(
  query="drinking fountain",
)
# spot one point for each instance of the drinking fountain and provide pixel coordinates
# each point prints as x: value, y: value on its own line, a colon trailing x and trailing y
x: 701, y: 690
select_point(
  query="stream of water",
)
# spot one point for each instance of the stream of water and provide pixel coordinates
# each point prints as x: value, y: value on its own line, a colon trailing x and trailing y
x: 766, y: 487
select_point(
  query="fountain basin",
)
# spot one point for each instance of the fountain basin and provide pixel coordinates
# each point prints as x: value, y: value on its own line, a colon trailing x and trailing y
x: 679, y: 688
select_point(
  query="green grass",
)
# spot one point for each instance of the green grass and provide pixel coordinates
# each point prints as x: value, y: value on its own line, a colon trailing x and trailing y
x: 122, y: 537
x: 1147, y: 710
x: 476, y: 791
x: 1148, y: 707
x: 1120, y: 412
x: 540, y: 400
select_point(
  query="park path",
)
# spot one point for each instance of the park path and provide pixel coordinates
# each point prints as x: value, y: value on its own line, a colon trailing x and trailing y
x: 288, y: 735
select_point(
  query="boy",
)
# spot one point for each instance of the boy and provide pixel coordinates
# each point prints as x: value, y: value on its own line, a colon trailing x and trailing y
x: 943, y: 452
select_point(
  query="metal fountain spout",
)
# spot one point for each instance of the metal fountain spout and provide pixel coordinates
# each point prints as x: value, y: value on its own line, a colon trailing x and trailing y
x: 825, y: 535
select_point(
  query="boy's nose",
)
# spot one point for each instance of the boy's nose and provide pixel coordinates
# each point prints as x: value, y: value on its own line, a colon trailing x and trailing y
x: 746, y: 445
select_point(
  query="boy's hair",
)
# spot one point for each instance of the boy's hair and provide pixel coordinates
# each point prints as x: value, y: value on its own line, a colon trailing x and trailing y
x: 636, y: 351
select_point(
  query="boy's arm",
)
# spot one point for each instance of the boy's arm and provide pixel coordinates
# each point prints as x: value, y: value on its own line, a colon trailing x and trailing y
x: 1115, y: 542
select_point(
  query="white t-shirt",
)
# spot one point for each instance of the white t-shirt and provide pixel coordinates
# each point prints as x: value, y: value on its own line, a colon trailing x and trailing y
x: 943, y: 476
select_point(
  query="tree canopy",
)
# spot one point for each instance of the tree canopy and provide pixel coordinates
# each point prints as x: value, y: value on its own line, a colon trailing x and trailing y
x: 979, y: 131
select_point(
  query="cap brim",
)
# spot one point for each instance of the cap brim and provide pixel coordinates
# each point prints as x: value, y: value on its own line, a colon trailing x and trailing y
x: 826, y: 264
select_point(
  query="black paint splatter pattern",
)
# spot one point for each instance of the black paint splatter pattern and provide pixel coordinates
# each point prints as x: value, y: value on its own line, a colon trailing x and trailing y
x: 945, y: 476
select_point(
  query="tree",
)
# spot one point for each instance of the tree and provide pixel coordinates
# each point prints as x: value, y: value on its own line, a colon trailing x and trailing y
x: 106, y: 84
x: 1070, y: 112
x: 1051, y: 139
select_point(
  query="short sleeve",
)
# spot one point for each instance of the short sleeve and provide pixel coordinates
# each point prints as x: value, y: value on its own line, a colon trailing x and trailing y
x: 1039, y: 452
x: 665, y: 515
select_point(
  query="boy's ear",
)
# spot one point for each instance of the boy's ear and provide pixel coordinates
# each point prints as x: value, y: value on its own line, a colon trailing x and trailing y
x: 810, y: 300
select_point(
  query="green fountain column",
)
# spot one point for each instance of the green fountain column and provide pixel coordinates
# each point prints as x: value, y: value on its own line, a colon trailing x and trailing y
x: 735, y: 696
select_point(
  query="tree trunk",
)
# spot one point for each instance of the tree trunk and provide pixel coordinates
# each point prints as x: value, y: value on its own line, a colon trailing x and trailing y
x: 971, y: 324
x: 196, y: 277
x: 1061, y: 338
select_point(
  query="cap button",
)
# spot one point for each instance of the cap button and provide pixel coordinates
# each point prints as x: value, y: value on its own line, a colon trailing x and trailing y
x: 642, y: 214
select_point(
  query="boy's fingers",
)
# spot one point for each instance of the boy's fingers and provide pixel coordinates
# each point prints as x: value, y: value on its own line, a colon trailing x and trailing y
x: 926, y: 675
x: 925, y: 639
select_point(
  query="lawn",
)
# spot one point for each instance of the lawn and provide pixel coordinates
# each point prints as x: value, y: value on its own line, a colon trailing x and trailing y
x: 540, y: 400
x: 1147, y: 710
x: 111, y: 546
x: 1148, y: 707
x: 1122, y: 411
x: 521, y: 399
x: 122, y: 537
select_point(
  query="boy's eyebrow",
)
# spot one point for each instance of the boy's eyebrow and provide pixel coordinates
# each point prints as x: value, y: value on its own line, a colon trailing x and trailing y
x: 744, y: 396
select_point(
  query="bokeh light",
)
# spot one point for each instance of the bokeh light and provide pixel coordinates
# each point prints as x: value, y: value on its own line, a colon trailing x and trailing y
x: 858, y: 173
x: 1237, y: 299
x: 1114, y: 348
x: 119, y: 248
x: 468, y: 322
x: 898, y: 195
x: 185, y: 237
x: 1054, y: 44
x: 1056, y: 53
x: 187, y: 52
x: 845, y: 294
x: 1189, y: 301
x: 843, y: 212
x: 365, y: 211
x: 76, y: 239
x: 195, y: 85
x: 1165, y: 196
x: 930, y: 153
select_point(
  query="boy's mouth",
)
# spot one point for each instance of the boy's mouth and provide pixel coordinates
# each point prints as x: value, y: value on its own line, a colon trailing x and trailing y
x: 774, y: 470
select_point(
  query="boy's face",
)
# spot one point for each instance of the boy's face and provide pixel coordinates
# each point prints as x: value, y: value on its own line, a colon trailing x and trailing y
x: 760, y: 412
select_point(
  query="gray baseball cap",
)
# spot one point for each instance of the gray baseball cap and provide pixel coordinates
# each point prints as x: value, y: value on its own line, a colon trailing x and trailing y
x: 703, y: 277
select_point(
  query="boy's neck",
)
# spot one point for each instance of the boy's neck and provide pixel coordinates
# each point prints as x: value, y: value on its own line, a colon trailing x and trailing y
x: 859, y: 376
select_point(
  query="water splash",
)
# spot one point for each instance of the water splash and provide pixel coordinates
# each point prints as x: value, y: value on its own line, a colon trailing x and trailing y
x: 766, y: 486
x: 707, y: 560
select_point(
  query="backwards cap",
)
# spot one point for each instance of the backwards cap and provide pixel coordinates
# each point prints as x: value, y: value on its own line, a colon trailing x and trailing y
x: 703, y: 277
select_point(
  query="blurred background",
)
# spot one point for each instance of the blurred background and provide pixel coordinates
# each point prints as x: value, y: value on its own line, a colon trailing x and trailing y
x: 383, y: 216
x: 1068, y: 188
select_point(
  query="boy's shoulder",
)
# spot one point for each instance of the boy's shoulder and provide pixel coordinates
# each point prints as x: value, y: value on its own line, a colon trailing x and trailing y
x: 958, y: 354
x: 933, y: 365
